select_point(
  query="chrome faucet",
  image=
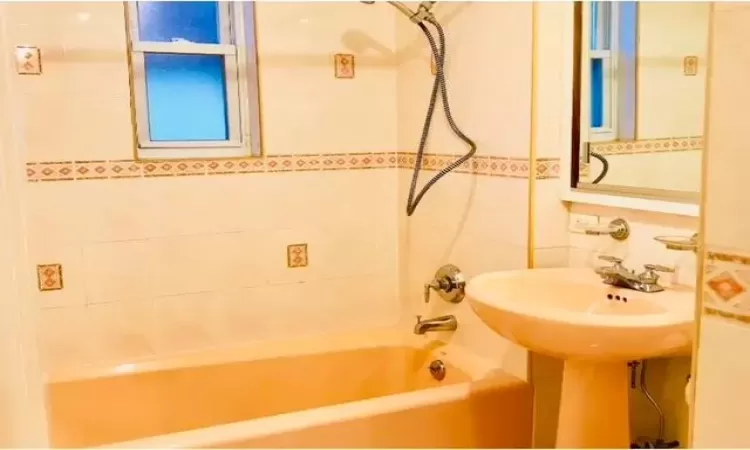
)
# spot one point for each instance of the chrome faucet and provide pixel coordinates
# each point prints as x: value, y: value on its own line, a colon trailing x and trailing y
x: 442, y: 323
x: 618, y: 275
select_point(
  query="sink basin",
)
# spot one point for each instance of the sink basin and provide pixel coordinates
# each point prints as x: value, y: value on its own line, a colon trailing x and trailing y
x: 596, y: 328
x: 569, y: 313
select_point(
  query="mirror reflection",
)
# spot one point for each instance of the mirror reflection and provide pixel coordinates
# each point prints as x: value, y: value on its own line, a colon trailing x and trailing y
x: 642, y: 73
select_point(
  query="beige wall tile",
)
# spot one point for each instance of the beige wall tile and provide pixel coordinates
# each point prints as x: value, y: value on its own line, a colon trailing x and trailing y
x: 65, y: 339
x: 296, y: 44
x: 552, y: 257
x: 185, y: 322
x: 722, y: 389
x: 489, y: 80
x: 121, y: 331
x: 550, y: 85
x: 725, y: 219
x: 118, y: 271
x: 550, y: 215
x: 721, y: 393
x: 669, y: 105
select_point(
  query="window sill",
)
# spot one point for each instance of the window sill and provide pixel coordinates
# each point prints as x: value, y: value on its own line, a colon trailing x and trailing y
x: 145, y: 154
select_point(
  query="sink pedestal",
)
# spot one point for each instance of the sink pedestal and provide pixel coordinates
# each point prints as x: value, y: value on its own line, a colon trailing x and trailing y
x: 594, y: 405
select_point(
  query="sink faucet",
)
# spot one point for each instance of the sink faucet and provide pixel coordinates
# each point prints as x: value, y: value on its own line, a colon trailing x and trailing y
x: 442, y: 323
x: 618, y: 275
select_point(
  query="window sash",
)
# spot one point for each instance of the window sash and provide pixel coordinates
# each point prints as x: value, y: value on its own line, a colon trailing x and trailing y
x: 230, y: 18
x: 603, y: 25
x: 142, y: 112
x: 604, y: 47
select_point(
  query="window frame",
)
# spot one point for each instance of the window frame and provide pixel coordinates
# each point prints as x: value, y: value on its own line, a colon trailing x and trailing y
x: 237, y: 45
x: 611, y: 74
x: 620, y: 65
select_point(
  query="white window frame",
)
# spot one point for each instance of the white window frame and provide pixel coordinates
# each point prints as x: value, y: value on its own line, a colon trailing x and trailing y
x: 237, y: 44
x: 620, y: 80
x: 608, y: 132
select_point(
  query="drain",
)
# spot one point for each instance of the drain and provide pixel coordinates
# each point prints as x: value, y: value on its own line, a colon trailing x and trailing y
x: 437, y: 370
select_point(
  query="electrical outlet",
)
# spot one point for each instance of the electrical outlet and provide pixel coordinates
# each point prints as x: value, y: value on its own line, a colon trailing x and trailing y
x: 579, y: 222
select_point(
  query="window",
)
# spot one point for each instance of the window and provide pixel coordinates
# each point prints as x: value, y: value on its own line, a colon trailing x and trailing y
x: 194, y: 79
x: 611, y: 67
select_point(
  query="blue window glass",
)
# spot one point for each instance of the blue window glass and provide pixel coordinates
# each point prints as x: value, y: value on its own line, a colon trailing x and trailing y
x: 187, y: 97
x: 597, y: 93
x: 168, y: 21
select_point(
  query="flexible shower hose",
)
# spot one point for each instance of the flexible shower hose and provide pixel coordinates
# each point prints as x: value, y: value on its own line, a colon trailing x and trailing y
x: 439, y: 83
x: 605, y: 167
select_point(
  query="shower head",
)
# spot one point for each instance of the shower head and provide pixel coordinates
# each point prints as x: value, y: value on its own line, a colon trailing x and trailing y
x: 421, y: 14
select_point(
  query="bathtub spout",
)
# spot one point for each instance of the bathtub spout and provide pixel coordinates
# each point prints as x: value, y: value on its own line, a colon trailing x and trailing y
x: 442, y: 323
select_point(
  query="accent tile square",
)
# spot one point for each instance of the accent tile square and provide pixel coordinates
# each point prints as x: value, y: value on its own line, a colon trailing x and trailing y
x: 344, y: 65
x: 28, y: 60
x: 49, y: 277
x: 296, y: 255
x: 725, y: 286
x: 690, y: 65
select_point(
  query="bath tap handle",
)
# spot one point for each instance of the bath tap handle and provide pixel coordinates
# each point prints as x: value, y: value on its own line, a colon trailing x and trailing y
x: 612, y: 259
x: 658, y: 268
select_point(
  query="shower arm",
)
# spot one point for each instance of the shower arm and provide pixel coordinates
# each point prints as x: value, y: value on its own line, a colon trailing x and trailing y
x: 420, y: 15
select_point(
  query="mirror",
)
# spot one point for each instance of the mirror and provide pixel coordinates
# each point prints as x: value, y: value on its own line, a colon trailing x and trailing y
x: 639, y: 98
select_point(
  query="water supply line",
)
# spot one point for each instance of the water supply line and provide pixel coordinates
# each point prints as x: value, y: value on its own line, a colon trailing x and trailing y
x: 422, y: 16
x: 659, y: 442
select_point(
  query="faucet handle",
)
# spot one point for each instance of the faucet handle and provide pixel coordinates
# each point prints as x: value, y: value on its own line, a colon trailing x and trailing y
x: 658, y: 268
x: 613, y: 259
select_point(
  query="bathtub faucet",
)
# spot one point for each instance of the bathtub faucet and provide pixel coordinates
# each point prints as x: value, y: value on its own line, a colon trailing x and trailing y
x: 442, y: 323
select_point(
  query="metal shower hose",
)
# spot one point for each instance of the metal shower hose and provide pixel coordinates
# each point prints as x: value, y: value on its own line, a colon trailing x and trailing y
x: 439, y: 57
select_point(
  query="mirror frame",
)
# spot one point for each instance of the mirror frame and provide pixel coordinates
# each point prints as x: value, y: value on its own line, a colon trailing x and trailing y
x: 683, y: 197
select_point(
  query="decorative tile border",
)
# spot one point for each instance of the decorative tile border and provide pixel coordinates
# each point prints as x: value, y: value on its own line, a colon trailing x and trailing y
x: 496, y: 166
x: 676, y: 144
x: 116, y: 169
x: 726, y: 290
x: 546, y: 168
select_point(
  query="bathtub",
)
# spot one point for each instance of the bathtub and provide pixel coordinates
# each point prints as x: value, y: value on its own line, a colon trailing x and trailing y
x: 370, y: 389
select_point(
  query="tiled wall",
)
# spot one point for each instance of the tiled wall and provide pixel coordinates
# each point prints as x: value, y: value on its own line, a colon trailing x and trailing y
x: 674, y: 171
x: 187, y: 254
x: 722, y: 391
x: 160, y: 257
x: 670, y: 103
x: 22, y: 412
x: 476, y: 222
x: 650, y: 163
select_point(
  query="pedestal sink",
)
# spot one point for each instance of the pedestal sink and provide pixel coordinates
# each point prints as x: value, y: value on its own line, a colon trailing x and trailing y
x: 596, y: 328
